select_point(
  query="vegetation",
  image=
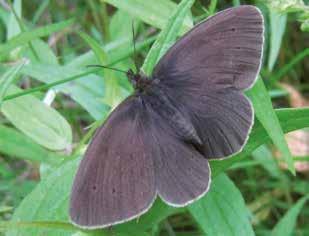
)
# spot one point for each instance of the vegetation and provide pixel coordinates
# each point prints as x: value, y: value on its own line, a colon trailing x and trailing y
x: 51, y: 103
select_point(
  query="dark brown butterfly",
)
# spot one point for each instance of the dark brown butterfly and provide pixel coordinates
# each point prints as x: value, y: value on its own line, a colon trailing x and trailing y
x: 160, y: 139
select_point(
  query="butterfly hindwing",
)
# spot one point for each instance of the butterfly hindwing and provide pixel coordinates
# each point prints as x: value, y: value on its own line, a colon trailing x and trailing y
x: 182, y: 174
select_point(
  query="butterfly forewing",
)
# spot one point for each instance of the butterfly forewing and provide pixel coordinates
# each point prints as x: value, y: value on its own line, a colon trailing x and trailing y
x: 205, y: 74
x: 115, y: 180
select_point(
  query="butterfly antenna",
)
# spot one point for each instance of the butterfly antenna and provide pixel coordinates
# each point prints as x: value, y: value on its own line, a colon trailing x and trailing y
x: 134, y: 48
x: 107, y: 67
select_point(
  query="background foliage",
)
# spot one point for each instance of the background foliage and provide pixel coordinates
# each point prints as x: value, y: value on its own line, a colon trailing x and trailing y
x: 51, y: 103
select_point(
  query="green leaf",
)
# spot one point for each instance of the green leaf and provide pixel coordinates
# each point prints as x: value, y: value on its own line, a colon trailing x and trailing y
x: 8, y: 78
x: 287, y: 223
x: 117, y: 51
x: 25, y: 37
x: 112, y: 96
x: 223, y: 210
x: 265, y: 113
x: 96, y: 47
x: 155, y: 13
x: 119, y: 26
x: 264, y: 156
x: 13, y: 27
x: 43, y: 51
x: 290, y: 120
x: 88, y: 90
x: 167, y: 36
x: 16, y: 144
x: 47, y: 202
x: 277, y: 28
x: 38, y: 121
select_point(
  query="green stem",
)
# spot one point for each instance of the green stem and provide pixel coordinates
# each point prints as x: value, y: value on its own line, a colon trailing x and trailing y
x: 105, y: 22
x: 21, y: 26
x: 47, y: 86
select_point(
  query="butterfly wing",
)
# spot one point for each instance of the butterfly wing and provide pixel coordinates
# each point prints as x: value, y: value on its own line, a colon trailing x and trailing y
x: 205, y: 74
x: 115, y: 181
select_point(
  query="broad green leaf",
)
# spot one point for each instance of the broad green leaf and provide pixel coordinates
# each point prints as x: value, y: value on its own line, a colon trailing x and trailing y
x: 25, y: 37
x: 167, y: 36
x: 47, y: 202
x: 265, y: 113
x: 13, y: 27
x: 16, y: 144
x: 277, y: 28
x: 223, y: 210
x: 8, y: 78
x: 287, y: 223
x: 290, y: 120
x: 43, y: 51
x: 155, y: 13
x: 41, y: 123
x: 88, y: 90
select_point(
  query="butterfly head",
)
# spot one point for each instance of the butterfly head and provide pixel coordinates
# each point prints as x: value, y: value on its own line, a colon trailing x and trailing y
x: 138, y: 80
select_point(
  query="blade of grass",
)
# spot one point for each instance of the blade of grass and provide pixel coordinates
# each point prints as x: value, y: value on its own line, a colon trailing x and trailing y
x: 286, y: 225
x: 26, y: 37
x: 277, y: 28
x: 265, y: 113
x: 38, y: 13
x: 96, y: 47
x: 112, y: 96
x: 167, y: 36
x: 286, y: 68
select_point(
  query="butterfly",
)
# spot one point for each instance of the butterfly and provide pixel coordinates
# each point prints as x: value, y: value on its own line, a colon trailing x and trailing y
x: 159, y: 140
